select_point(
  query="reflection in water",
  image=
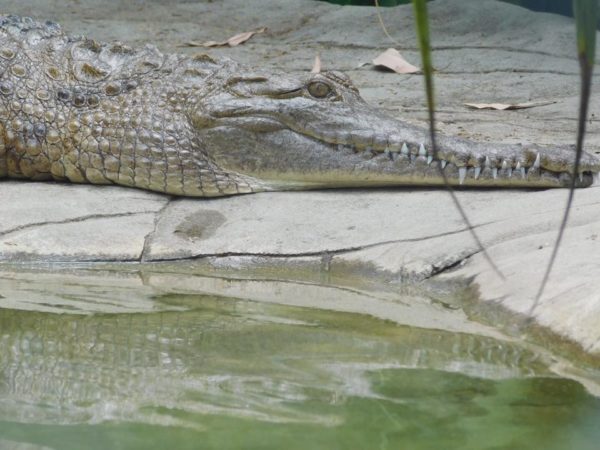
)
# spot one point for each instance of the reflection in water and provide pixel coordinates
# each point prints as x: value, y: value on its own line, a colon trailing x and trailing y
x: 228, y: 373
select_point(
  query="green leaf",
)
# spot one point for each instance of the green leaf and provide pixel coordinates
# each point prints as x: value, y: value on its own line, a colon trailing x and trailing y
x: 422, y: 22
x: 586, y: 13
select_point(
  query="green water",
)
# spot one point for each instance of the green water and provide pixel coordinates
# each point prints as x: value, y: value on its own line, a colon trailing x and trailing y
x: 225, y: 373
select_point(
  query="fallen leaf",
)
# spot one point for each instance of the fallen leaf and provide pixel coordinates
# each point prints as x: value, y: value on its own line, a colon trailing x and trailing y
x: 243, y: 37
x: 392, y: 59
x: 316, y: 68
x: 231, y: 42
x: 507, y: 106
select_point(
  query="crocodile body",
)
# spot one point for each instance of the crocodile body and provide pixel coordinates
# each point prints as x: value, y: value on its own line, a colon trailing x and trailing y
x: 74, y: 109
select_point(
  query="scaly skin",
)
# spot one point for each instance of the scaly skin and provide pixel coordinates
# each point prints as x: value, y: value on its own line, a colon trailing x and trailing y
x: 79, y: 110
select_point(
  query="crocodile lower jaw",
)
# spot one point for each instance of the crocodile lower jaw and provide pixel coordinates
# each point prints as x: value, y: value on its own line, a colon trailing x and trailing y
x: 414, y: 165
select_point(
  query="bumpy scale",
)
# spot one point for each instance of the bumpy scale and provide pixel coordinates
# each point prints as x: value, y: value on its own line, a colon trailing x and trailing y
x: 74, y: 109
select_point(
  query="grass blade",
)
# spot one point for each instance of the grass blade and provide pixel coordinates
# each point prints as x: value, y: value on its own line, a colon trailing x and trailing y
x: 422, y: 21
x: 586, y: 12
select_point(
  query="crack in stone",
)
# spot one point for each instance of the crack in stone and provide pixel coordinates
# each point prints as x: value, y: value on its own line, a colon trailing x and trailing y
x: 72, y: 220
x: 148, y: 237
x: 318, y: 253
x: 343, y: 45
x: 509, y: 70
x: 437, y: 270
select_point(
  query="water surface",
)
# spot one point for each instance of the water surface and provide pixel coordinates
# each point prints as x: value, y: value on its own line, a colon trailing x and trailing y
x: 204, y: 371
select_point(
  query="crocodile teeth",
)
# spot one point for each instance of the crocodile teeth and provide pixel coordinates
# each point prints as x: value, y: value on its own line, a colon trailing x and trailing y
x: 536, y: 163
x: 422, y: 151
x: 520, y: 169
x: 462, y: 173
x: 487, y: 162
x: 443, y: 163
x: 509, y: 172
x: 429, y: 159
x: 477, y: 172
x: 495, y: 172
x: 581, y: 177
x: 523, y: 172
x: 504, y: 165
x: 340, y: 147
x: 404, y: 149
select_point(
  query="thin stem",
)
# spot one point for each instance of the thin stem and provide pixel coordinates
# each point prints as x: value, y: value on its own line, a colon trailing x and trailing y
x: 383, y: 27
x: 420, y: 8
x: 586, y: 83
x: 586, y: 12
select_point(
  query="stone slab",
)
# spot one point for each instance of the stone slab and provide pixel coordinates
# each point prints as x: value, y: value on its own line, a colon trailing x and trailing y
x: 54, y: 222
x: 298, y: 223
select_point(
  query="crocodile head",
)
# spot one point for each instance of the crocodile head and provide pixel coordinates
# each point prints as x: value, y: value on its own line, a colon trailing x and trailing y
x: 314, y: 132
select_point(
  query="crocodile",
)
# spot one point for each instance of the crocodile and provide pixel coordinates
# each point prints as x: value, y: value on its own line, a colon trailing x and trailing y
x: 75, y: 109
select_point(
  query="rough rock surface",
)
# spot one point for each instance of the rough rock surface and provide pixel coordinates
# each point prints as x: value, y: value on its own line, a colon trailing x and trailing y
x: 484, y: 52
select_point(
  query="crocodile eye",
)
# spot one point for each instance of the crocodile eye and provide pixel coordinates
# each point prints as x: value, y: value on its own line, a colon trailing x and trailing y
x: 319, y: 89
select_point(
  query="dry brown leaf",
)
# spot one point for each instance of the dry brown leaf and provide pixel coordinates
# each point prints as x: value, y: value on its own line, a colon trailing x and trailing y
x: 392, y: 59
x: 231, y: 42
x: 316, y: 68
x: 507, y: 106
x: 243, y: 37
